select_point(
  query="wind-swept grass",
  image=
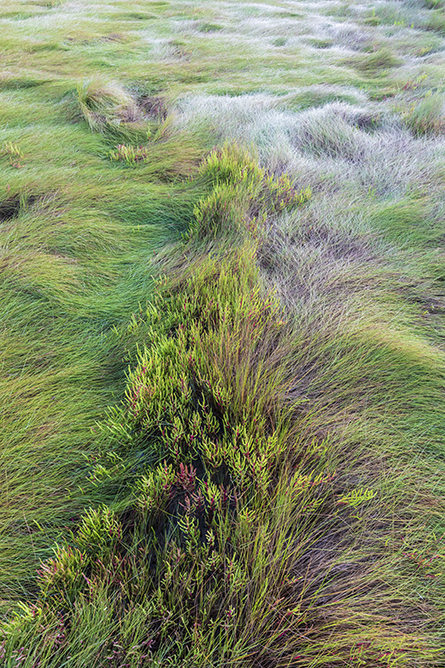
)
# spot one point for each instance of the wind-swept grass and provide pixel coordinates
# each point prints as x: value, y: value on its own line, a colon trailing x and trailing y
x: 230, y: 505
x: 266, y: 486
x: 77, y: 235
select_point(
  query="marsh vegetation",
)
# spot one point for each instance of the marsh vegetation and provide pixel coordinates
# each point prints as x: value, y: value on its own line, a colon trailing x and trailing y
x: 222, y: 334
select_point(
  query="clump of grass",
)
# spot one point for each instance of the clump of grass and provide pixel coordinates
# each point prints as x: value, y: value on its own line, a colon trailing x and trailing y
x: 106, y: 105
x: 377, y: 62
x: 436, y: 21
x: 318, y: 96
x: 318, y: 43
x: 14, y: 154
x: 129, y: 154
x: 406, y: 220
x: 210, y: 27
x: 426, y: 116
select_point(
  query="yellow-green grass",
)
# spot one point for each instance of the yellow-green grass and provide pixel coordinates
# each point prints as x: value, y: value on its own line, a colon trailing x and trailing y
x: 347, y: 99
x: 78, y: 234
x: 263, y: 474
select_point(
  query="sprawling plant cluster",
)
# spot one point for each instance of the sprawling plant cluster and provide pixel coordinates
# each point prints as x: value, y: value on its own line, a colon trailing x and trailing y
x: 129, y: 154
x: 243, y: 195
x: 198, y: 445
x: 223, y: 542
x: 221, y: 498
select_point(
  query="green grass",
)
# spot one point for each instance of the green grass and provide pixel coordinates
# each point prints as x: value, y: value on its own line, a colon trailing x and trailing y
x: 222, y: 334
x: 374, y: 62
x: 75, y: 263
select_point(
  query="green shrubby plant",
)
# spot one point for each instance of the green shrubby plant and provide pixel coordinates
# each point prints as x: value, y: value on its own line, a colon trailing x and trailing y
x: 129, y: 154
x: 98, y: 533
x: 243, y: 194
x: 61, y: 579
x: 180, y: 394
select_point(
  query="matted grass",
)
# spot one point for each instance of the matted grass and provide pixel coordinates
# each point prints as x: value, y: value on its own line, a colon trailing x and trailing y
x: 107, y: 112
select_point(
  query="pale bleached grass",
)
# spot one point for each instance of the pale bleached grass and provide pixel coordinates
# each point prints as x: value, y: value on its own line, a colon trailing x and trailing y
x: 365, y: 146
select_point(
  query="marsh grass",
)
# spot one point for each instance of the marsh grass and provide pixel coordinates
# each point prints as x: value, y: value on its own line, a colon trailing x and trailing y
x: 378, y: 62
x: 427, y: 117
x: 61, y: 363
x: 265, y: 487
x: 230, y: 505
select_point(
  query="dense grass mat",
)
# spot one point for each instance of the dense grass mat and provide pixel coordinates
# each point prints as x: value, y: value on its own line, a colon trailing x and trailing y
x: 265, y: 487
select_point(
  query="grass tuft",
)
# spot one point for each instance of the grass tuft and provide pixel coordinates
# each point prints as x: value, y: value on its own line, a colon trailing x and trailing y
x: 378, y: 62
x: 106, y: 106
x: 427, y: 116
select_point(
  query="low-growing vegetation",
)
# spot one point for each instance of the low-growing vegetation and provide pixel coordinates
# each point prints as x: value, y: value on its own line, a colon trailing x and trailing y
x: 222, y: 335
